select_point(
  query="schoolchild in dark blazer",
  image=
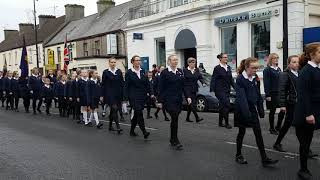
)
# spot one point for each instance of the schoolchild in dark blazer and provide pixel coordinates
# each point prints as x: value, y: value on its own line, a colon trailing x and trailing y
x: 8, y: 90
x: 112, y: 92
x: 156, y: 94
x: 151, y: 97
x: 47, y: 95
x: 307, y: 113
x: 16, y: 90
x: 84, y: 98
x: 271, y: 88
x: 191, y: 77
x: 221, y: 83
x: 248, y: 109
x: 34, y: 84
x: 24, y: 92
x: 95, y: 96
x: 136, y: 90
x: 59, y: 92
x: 2, y: 95
x: 170, y: 97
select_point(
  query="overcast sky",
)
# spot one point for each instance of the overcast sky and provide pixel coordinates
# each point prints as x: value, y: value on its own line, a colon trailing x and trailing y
x: 14, y: 12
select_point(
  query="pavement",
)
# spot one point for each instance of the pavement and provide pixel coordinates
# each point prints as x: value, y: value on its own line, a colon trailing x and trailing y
x: 39, y: 147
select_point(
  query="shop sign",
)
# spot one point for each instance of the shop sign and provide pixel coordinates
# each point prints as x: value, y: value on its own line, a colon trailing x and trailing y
x: 232, y: 19
x: 263, y: 14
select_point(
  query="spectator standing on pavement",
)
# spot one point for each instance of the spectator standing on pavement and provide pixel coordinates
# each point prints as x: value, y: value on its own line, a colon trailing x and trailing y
x: 248, y: 109
x: 191, y: 77
x: 221, y: 82
x: 136, y: 90
x: 170, y: 96
x: 271, y: 88
x: 307, y: 110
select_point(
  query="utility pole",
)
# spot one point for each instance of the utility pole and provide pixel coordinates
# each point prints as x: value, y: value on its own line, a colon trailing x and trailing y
x: 36, y: 31
x: 285, y: 33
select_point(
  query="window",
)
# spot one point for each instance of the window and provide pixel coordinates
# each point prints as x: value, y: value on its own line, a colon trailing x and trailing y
x: 97, y: 47
x: 85, y: 49
x: 59, y: 54
x: 16, y: 58
x: 229, y: 45
x: 260, y: 41
x: 161, y: 52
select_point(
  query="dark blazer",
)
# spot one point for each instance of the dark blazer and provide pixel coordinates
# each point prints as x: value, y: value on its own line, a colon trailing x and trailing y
x: 171, y: 90
x: 59, y: 89
x: 83, y: 89
x: 221, y: 80
x: 68, y: 89
x: 191, y: 81
x: 156, y: 85
x: 94, y: 89
x: 1, y: 84
x: 15, y: 87
x: 47, y: 93
x: 112, y: 87
x: 136, y: 89
x: 23, y: 87
x: 7, y: 85
x: 53, y: 79
x: 308, y: 89
x: 287, y: 88
x: 73, y: 91
x: 34, y: 85
x: 271, y: 80
x: 248, y: 104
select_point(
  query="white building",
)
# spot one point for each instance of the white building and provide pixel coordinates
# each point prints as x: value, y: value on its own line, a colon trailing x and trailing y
x: 204, y: 28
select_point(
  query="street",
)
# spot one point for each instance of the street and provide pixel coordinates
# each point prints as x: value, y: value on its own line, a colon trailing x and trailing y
x: 41, y: 147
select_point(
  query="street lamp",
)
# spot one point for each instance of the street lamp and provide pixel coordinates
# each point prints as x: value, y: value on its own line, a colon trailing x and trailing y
x: 36, y: 31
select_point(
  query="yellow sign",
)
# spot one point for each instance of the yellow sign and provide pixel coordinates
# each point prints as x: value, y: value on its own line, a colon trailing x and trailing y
x: 51, y: 65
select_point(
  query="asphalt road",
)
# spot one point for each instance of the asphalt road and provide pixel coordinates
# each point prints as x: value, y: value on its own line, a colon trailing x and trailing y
x: 41, y: 147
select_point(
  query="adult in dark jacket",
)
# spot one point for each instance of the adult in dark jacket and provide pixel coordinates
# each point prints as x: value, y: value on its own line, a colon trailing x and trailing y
x: 170, y: 96
x: 271, y: 88
x: 2, y: 96
x: 156, y: 94
x: 112, y: 92
x: 15, y: 89
x: 8, y: 90
x: 47, y: 94
x: 24, y: 92
x: 307, y: 113
x: 34, y: 84
x: 60, y: 93
x: 221, y: 83
x: 136, y: 90
x: 191, y: 77
x: 248, y: 109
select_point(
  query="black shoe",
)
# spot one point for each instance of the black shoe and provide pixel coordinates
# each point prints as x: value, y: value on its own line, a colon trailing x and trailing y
x: 39, y: 111
x: 122, y: 119
x: 17, y: 110
x: 222, y: 125
x: 99, y: 126
x: 179, y: 147
x: 241, y: 160
x: 278, y: 129
x: 34, y: 113
x: 188, y: 120
x: 89, y: 124
x: 273, y: 131
x: 199, y: 120
x: 119, y: 130
x: 133, y: 134
x: 228, y: 126
x: 166, y: 119
x: 156, y: 115
x: 48, y: 114
x: 146, y: 135
x: 312, y: 155
x: 111, y: 129
x: 149, y: 117
x: 27, y: 111
x: 304, y: 175
x: 278, y: 147
x: 268, y: 161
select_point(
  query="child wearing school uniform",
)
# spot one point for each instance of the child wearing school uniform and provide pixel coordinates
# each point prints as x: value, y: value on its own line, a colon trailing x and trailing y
x: 248, y: 109
x: 59, y: 91
x: 150, y: 100
x: 84, y: 98
x: 47, y: 95
x: 15, y: 89
x: 8, y: 90
x: 95, y: 94
x: 2, y: 96
x: 70, y: 95
x: 34, y: 84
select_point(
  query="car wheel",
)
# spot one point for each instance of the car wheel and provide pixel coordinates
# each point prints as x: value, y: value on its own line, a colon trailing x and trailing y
x: 201, y: 104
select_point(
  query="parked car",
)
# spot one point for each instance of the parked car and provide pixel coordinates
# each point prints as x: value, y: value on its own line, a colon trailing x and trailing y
x: 206, y: 100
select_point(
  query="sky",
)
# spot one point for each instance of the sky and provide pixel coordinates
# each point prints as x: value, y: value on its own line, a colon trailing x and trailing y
x: 14, y: 12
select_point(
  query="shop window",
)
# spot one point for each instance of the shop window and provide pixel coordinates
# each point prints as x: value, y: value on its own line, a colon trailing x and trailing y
x: 161, y: 52
x: 229, y: 45
x: 260, y: 41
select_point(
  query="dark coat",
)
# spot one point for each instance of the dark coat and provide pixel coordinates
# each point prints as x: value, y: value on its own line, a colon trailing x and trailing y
x: 94, y: 93
x: 171, y: 90
x: 156, y: 85
x: 308, y: 89
x: 47, y: 93
x: 73, y: 90
x: 248, y: 104
x: 287, y: 88
x: 1, y: 84
x: 53, y: 79
x: 221, y: 80
x: 271, y: 81
x: 136, y: 89
x: 68, y: 89
x: 59, y: 89
x: 15, y: 87
x: 112, y: 87
x: 23, y: 87
x: 83, y: 89
x: 8, y: 85
x: 34, y: 85
x: 191, y: 82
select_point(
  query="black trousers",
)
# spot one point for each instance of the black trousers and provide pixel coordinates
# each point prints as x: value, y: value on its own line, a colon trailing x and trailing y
x: 48, y: 102
x: 304, y: 135
x: 138, y: 119
x: 34, y: 103
x: 16, y: 101
x: 192, y: 107
x: 10, y: 101
x: 120, y: 110
x: 62, y: 105
x: 259, y: 141
x: 174, y: 127
x: 149, y: 104
x: 2, y: 97
x: 163, y: 111
x: 26, y: 103
x: 224, y: 100
x: 287, y: 123
x: 114, y: 115
x: 273, y: 105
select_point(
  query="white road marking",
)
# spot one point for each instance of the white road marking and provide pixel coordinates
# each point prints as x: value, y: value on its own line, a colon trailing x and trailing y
x: 287, y: 154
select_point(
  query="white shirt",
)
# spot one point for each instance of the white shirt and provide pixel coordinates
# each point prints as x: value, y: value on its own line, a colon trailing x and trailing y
x: 47, y: 86
x: 9, y: 78
x: 137, y: 72
x: 313, y: 64
x: 94, y: 80
x: 171, y: 70
x: 245, y: 75
x: 34, y: 75
x: 63, y: 82
x: 114, y: 71
x: 224, y: 66
x: 192, y: 70
x: 15, y: 78
x: 274, y: 67
x: 294, y: 72
x: 85, y: 79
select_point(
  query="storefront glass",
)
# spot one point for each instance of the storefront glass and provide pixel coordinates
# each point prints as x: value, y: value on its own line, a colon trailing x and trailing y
x: 229, y: 45
x: 260, y: 41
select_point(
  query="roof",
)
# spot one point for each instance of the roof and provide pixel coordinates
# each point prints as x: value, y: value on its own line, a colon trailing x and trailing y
x: 113, y: 19
x: 16, y: 41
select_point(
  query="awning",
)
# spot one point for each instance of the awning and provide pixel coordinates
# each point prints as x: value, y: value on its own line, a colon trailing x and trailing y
x: 185, y: 40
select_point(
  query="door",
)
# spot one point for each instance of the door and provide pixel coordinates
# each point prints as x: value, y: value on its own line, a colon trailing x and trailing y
x: 187, y: 53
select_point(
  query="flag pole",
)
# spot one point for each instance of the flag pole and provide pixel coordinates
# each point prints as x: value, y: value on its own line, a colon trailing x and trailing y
x: 36, y: 31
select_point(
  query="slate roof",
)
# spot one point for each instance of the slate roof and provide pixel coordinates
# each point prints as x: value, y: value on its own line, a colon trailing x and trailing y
x: 48, y: 28
x: 113, y: 19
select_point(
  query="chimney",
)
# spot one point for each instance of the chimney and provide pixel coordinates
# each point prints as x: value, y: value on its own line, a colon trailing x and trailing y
x: 103, y: 5
x: 8, y: 33
x: 44, y: 18
x: 25, y: 27
x: 74, y: 12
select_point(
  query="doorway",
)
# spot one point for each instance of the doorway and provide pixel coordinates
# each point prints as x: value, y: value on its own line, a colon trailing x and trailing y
x: 187, y: 53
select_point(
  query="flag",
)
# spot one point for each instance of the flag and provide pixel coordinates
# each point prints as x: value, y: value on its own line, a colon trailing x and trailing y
x: 66, y: 56
x: 24, y: 60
